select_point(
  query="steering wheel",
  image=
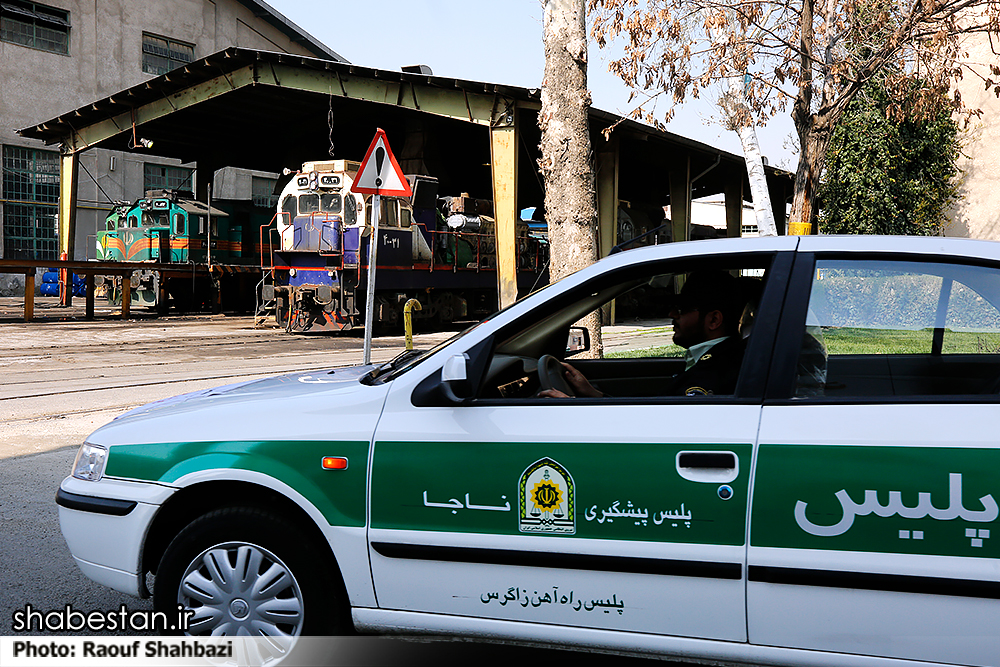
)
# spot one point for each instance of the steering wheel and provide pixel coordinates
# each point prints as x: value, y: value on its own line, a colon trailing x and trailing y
x: 551, y: 374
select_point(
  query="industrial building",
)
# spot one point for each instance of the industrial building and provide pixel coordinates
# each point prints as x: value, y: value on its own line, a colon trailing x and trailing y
x: 61, y: 55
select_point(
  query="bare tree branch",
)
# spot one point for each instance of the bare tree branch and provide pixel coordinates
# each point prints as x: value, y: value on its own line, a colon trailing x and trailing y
x: 813, y: 57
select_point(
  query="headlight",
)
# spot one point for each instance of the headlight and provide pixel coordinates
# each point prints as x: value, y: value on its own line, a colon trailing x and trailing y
x: 89, y: 463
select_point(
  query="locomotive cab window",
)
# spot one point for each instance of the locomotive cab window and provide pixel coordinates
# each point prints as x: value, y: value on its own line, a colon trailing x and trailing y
x: 330, y: 203
x: 179, y: 223
x: 350, y: 210
x: 153, y: 219
x: 308, y: 204
x: 290, y: 206
x: 391, y: 213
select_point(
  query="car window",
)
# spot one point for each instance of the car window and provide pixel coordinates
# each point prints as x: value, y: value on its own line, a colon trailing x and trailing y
x: 640, y: 359
x: 896, y: 328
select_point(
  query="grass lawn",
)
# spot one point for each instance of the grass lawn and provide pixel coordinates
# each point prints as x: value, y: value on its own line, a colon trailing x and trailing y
x: 847, y: 340
x: 659, y: 351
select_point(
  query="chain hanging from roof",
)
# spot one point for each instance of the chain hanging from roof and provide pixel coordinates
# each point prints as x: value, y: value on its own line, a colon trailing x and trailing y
x: 329, y: 121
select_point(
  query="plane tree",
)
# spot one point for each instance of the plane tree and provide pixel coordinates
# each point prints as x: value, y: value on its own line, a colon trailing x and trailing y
x: 567, y: 171
x: 809, y: 57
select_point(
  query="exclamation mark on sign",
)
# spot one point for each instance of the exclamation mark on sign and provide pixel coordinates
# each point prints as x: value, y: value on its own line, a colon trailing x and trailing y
x: 379, y: 159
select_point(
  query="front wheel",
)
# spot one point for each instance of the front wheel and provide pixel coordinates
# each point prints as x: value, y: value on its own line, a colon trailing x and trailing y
x: 244, y: 571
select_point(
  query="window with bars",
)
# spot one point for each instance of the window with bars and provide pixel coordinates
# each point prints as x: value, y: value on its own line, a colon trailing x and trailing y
x: 164, y: 177
x: 262, y: 191
x: 31, y: 198
x: 160, y: 55
x: 34, y: 25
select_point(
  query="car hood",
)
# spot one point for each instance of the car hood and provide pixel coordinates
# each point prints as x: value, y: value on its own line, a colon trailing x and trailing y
x: 298, y: 405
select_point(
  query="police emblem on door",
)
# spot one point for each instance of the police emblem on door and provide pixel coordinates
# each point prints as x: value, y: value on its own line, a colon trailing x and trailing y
x: 547, y: 501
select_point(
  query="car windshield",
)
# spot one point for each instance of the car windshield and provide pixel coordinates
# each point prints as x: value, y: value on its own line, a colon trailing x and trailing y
x: 411, y: 358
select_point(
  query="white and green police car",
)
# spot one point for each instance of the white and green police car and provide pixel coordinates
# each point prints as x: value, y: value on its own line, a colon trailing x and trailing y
x: 840, y: 508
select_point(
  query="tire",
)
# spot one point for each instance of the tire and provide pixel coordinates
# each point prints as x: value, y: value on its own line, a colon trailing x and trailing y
x: 246, y: 571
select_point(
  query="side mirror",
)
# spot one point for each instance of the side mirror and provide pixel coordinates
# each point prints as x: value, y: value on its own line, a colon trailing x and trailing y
x: 578, y: 340
x: 455, y: 376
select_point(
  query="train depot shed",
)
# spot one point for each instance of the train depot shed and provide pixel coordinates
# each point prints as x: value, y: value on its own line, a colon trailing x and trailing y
x: 269, y: 111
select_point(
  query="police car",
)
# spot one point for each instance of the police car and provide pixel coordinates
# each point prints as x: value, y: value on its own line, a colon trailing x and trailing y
x: 839, y: 508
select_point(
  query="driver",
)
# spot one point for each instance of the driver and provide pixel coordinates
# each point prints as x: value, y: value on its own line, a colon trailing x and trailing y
x: 706, y: 317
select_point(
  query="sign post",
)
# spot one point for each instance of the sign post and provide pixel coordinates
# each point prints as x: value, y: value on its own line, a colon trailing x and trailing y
x: 379, y: 174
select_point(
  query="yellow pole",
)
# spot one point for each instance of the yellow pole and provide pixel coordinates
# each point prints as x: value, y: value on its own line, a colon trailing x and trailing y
x: 68, y: 170
x: 408, y: 307
x: 503, y: 154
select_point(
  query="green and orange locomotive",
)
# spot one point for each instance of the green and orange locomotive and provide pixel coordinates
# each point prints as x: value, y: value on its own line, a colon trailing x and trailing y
x: 171, y: 227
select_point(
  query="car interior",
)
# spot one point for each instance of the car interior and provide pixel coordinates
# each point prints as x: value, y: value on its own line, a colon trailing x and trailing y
x: 897, y: 329
x: 526, y: 357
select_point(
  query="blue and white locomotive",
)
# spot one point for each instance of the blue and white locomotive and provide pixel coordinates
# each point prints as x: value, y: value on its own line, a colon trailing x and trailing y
x: 441, y: 252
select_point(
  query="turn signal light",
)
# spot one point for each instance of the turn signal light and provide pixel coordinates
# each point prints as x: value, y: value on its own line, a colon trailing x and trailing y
x: 334, y: 463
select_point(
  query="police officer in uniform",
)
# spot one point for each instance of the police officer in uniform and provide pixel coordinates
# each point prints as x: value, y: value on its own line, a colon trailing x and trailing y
x: 706, y: 317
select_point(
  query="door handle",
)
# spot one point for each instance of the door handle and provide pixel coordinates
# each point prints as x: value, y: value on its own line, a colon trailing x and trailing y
x: 714, y: 467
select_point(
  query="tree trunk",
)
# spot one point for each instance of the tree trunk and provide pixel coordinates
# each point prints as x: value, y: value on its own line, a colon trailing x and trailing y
x: 570, y: 206
x: 806, y: 178
x: 741, y: 119
x: 814, y: 141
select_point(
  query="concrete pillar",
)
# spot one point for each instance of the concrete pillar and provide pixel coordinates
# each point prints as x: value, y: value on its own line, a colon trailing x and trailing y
x: 680, y: 197
x: 733, y: 190
x: 503, y: 154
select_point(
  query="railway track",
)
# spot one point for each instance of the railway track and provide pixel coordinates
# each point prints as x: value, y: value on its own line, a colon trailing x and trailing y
x: 59, y: 382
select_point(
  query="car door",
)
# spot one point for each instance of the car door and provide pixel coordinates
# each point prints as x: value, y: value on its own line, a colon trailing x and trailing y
x: 621, y: 513
x: 874, y: 514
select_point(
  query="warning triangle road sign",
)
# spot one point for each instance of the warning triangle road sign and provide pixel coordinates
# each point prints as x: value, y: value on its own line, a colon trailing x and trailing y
x: 379, y: 172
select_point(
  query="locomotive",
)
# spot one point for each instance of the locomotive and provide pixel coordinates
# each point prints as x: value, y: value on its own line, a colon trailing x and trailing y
x: 168, y: 226
x: 440, y: 251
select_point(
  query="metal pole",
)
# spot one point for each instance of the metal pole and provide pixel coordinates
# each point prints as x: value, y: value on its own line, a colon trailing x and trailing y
x: 208, y: 231
x: 370, y: 301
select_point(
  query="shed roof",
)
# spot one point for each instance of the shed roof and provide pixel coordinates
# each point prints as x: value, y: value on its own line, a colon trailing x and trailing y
x: 263, y: 110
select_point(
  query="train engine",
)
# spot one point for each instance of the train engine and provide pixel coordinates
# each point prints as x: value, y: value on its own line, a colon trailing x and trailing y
x: 317, y: 271
x: 169, y: 227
